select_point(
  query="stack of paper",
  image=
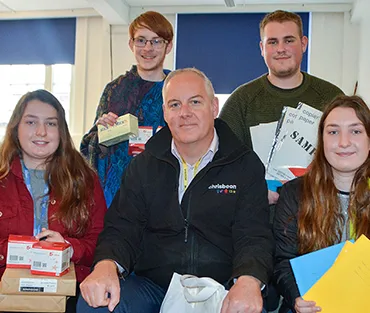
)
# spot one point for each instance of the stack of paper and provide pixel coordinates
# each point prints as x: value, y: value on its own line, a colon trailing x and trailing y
x: 295, y: 143
x: 286, y: 147
x: 343, y: 285
x: 262, y: 138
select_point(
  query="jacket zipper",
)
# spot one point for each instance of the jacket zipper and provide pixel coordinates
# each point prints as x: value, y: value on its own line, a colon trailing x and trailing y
x: 191, y: 237
x: 186, y: 230
x: 187, y: 219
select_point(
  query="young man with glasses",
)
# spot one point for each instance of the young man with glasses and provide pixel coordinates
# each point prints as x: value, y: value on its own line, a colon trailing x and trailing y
x: 138, y: 92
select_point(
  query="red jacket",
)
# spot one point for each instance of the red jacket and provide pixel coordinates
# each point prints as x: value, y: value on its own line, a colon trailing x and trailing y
x: 17, y: 214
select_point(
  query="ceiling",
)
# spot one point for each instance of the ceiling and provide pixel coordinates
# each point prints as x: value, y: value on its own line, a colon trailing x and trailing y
x: 123, y: 11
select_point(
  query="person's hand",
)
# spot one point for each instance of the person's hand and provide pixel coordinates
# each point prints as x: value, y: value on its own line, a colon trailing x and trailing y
x: 50, y: 235
x: 273, y: 197
x: 103, y: 280
x: 302, y: 306
x: 244, y: 297
x: 107, y: 119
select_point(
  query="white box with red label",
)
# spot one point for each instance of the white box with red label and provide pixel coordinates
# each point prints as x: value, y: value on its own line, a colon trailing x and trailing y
x: 50, y: 258
x: 19, y: 251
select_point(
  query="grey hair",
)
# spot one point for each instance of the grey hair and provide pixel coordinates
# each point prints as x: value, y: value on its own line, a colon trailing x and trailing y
x: 207, y: 82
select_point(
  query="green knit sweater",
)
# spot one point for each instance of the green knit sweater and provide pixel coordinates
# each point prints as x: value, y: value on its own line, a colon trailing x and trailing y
x: 261, y: 102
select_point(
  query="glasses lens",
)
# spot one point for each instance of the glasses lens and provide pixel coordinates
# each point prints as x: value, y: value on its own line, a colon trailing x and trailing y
x: 157, y: 43
x: 139, y: 42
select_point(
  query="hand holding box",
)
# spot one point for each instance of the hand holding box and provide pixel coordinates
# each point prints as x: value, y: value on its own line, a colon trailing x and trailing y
x: 125, y: 127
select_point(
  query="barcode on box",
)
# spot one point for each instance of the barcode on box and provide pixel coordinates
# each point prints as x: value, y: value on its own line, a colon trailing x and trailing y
x: 38, y: 264
x: 19, y: 254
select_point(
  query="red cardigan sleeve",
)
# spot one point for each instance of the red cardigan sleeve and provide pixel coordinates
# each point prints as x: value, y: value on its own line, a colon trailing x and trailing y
x: 3, y: 252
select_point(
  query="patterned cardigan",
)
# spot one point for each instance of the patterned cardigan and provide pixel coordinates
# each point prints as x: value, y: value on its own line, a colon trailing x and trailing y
x: 128, y: 93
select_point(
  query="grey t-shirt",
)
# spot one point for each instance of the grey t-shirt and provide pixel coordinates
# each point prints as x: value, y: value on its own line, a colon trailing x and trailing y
x: 344, y: 203
x: 38, y: 192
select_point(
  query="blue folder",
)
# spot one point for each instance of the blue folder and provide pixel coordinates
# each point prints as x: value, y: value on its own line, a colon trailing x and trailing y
x: 273, y: 184
x: 309, y: 268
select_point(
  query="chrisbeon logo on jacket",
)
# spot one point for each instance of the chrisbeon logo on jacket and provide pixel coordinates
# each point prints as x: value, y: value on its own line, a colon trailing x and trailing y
x: 223, y: 188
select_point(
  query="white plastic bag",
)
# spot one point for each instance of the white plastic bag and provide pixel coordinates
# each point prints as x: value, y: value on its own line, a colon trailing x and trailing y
x: 191, y: 294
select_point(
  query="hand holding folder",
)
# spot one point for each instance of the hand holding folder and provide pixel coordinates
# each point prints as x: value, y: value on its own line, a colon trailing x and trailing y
x: 345, y: 287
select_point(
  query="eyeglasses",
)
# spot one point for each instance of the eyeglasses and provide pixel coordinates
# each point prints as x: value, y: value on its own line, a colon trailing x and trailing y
x: 156, y: 43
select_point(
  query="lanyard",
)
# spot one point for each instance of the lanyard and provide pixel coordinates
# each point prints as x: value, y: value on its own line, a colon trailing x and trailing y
x: 37, y: 223
x: 186, y: 173
x: 352, y: 234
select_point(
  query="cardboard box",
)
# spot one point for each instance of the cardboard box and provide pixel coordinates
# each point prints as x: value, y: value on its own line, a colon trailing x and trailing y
x: 125, y: 127
x: 22, y: 282
x: 19, y: 251
x: 21, y: 303
x: 50, y: 258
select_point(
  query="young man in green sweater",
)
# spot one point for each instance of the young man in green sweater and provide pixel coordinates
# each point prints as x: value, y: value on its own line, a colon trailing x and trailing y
x: 262, y: 100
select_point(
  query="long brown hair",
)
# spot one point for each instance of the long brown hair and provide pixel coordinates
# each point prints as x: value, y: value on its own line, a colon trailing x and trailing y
x: 69, y: 177
x: 320, y: 219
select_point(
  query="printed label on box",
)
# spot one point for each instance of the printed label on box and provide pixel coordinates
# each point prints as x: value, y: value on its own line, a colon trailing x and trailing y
x: 144, y: 134
x: 38, y: 285
x: 137, y: 143
x: 19, y: 253
x: 16, y: 258
x: 50, y: 261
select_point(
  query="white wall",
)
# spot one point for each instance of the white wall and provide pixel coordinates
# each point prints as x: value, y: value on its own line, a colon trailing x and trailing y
x: 364, y: 61
x: 334, y: 49
x: 340, y: 50
x: 91, y: 72
x: 335, y: 52
x: 360, y: 14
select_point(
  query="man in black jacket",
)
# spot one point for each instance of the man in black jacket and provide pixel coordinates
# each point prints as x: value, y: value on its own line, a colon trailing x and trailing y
x: 194, y: 202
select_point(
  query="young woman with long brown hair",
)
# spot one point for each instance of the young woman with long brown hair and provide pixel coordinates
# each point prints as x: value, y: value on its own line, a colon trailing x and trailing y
x: 331, y: 202
x: 47, y: 189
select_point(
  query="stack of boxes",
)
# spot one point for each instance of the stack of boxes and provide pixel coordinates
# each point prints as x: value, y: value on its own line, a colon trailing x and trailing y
x: 38, y: 276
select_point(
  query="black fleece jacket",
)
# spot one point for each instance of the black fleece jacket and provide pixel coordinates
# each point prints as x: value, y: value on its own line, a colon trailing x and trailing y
x: 285, y: 233
x: 220, y: 229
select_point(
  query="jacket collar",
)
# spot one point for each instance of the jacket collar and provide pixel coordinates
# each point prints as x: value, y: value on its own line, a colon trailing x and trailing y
x: 229, y: 145
x: 133, y: 71
x: 16, y: 167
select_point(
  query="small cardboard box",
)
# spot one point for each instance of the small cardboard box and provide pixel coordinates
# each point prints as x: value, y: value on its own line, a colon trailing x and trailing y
x: 32, y: 303
x: 50, y: 258
x: 125, y: 127
x: 19, y: 251
x: 20, y: 281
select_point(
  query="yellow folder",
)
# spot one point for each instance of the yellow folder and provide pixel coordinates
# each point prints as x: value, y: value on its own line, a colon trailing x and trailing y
x: 345, y: 250
x: 345, y: 287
